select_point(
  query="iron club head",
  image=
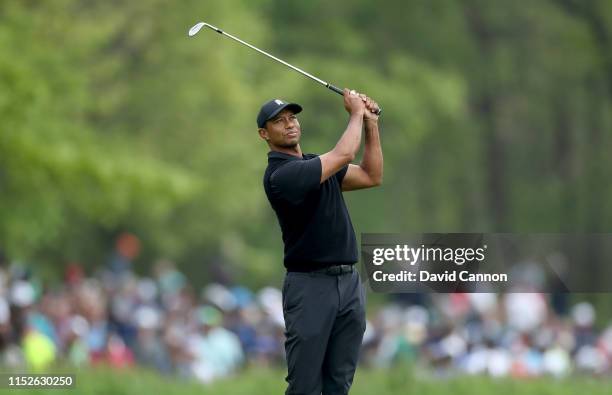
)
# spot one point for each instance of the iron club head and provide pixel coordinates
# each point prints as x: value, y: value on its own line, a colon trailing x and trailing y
x: 195, y: 29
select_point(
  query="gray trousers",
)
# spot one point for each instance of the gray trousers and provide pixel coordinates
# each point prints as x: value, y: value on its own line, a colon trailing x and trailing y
x: 324, y: 326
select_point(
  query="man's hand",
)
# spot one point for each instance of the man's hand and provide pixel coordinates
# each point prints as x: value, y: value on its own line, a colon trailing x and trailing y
x: 371, y: 108
x: 353, y: 103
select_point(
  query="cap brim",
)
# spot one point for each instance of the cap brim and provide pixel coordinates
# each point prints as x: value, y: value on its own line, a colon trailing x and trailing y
x: 296, y: 108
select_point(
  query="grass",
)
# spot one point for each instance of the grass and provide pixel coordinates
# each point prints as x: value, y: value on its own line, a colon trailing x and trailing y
x: 257, y: 381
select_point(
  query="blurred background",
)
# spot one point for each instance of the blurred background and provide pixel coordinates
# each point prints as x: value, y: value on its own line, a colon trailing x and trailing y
x: 134, y: 230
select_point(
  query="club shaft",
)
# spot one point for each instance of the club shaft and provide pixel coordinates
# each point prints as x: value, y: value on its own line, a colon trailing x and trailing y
x: 312, y: 77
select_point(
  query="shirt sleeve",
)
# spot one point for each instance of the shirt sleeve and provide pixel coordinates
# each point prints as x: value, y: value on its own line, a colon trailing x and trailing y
x: 340, y: 174
x: 294, y: 180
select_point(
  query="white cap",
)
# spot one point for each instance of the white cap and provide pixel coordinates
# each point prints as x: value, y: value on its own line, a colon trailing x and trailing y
x: 22, y: 294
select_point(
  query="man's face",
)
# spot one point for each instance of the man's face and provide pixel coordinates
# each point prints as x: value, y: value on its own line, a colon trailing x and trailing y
x: 282, y: 131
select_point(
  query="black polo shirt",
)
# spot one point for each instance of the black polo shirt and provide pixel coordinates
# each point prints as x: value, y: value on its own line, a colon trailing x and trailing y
x: 317, y: 230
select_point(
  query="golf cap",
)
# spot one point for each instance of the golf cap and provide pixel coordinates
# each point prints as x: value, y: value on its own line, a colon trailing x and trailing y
x: 272, y: 108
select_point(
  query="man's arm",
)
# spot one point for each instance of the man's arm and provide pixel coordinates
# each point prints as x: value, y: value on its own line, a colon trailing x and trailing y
x: 348, y: 145
x: 369, y: 172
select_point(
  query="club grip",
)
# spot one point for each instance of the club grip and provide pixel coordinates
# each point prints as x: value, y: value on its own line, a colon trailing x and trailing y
x: 336, y: 89
x: 341, y: 92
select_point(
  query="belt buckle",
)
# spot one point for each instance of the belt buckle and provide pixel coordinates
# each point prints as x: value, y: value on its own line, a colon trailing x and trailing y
x: 339, y: 269
x: 335, y: 270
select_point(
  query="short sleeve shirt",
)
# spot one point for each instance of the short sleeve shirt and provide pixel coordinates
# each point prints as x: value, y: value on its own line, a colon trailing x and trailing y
x: 315, y: 223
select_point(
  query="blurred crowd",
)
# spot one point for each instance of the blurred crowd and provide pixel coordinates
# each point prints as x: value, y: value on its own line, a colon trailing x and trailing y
x: 161, y: 321
x: 517, y: 335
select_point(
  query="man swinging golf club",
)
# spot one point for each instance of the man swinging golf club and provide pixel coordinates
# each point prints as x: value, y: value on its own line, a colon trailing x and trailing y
x: 323, y: 298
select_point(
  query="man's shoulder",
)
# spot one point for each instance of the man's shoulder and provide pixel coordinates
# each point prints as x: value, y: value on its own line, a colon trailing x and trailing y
x: 284, y: 161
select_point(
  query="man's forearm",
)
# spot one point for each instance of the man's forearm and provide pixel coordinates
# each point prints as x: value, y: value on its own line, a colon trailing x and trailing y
x: 349, y: 143
x: 372, y: 161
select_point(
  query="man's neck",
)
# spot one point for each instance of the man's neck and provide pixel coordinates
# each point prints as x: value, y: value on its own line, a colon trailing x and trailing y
x: 295, y: 151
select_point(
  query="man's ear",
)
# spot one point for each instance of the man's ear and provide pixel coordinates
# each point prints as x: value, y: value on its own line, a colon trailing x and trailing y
x: 263, y: 133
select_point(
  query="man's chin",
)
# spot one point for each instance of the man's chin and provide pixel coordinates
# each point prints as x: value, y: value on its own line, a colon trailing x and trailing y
x: 290, y: 145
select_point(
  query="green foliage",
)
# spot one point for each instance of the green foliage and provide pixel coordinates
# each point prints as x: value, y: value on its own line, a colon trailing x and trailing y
x: 496, y: 118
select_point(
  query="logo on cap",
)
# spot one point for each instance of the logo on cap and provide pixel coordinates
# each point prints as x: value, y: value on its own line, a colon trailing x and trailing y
x: 279, y: 102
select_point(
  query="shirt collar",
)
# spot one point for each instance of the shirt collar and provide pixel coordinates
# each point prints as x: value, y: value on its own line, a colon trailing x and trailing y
x: 282, y: 155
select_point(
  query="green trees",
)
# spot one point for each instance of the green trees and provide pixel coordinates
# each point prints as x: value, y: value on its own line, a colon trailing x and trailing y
x: 497, y: 118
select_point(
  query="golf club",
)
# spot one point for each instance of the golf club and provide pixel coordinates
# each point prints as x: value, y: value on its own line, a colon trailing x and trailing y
x: 198, y: 26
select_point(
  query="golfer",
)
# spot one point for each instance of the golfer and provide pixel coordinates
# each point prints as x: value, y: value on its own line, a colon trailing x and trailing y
x: 323, y: 298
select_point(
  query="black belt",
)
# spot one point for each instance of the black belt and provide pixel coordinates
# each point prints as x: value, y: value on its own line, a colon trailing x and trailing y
x: 335, y: 270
